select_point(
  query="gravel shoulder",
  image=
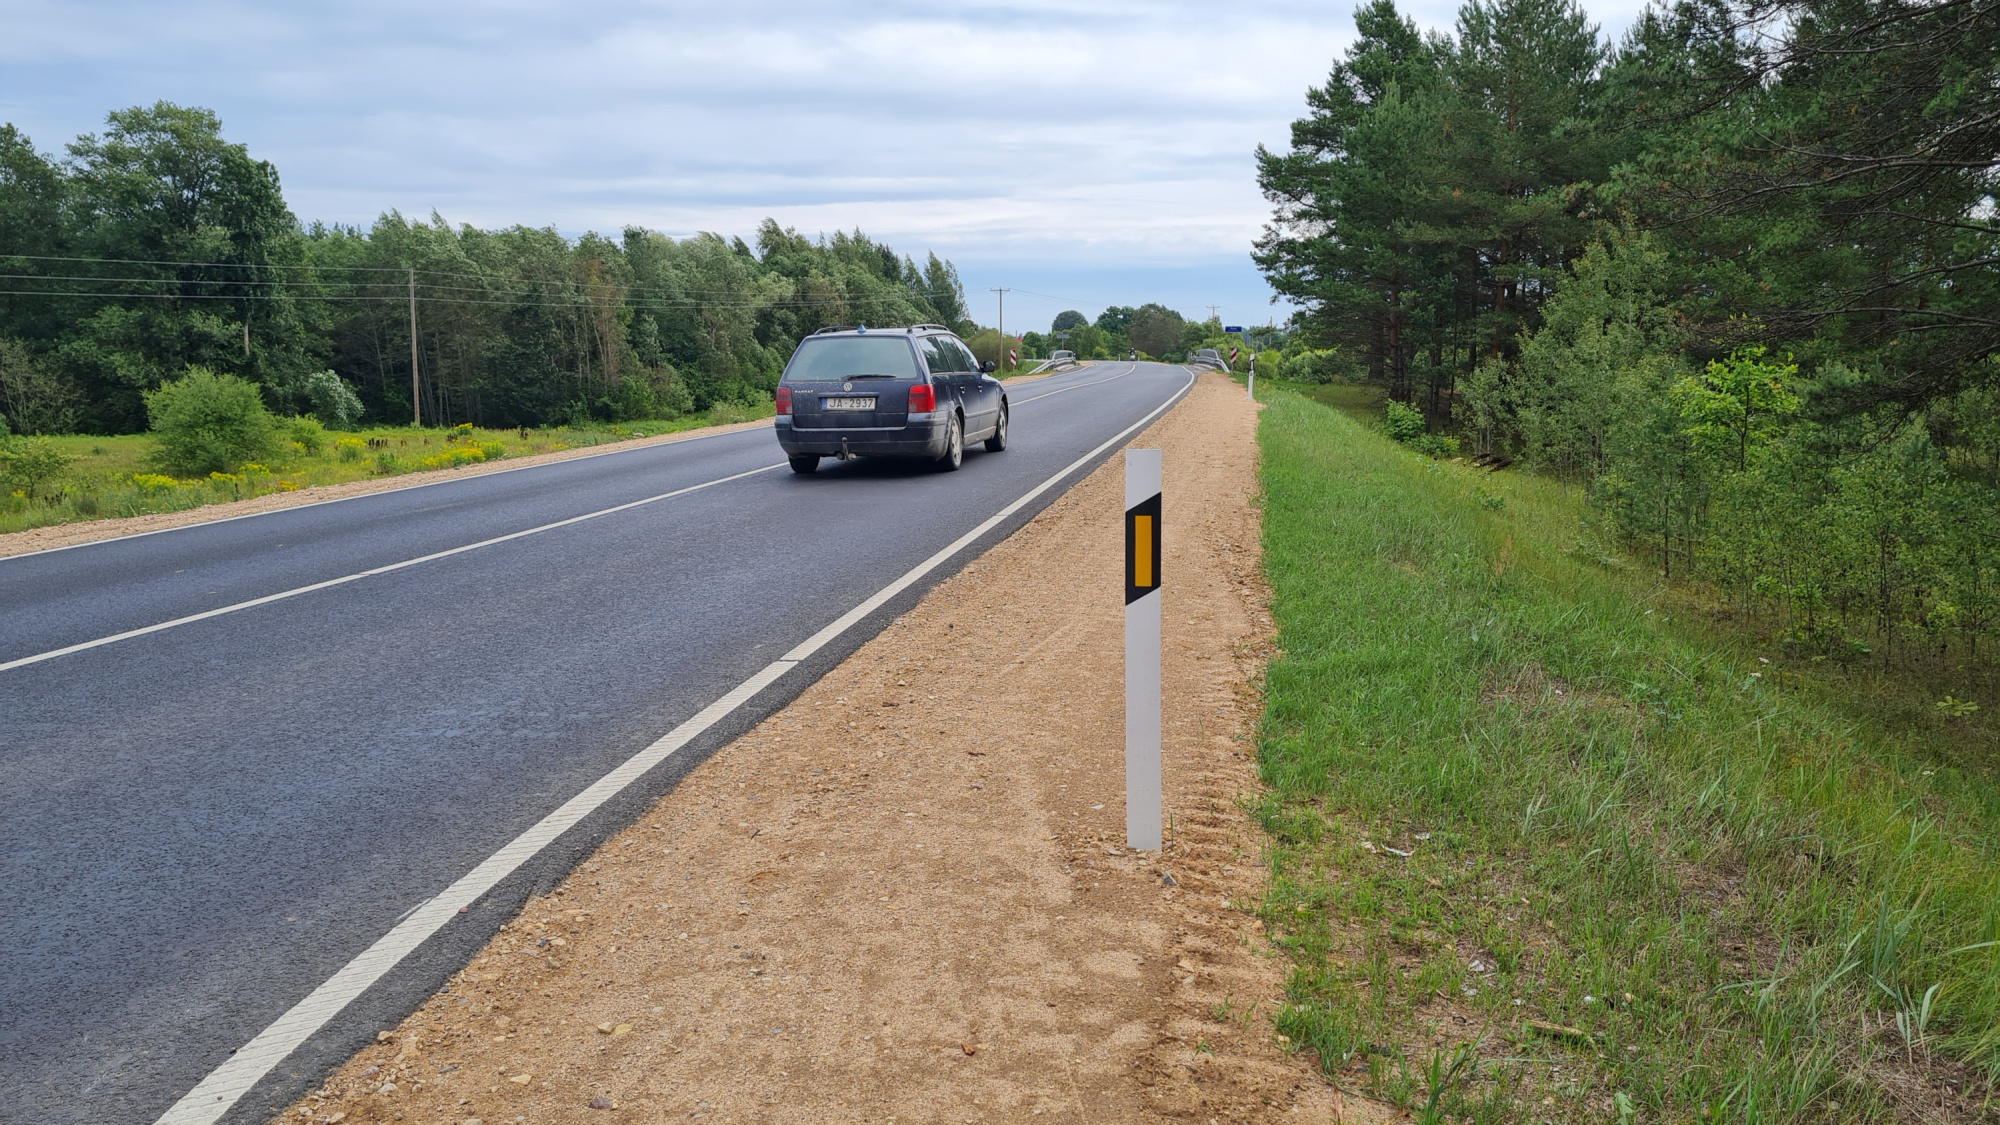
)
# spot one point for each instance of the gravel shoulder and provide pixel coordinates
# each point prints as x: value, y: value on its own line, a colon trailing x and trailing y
x: 903, y: 897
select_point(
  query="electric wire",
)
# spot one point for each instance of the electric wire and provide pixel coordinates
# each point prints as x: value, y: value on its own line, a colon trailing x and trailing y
x: 421, y: 299
x: 400, y: 271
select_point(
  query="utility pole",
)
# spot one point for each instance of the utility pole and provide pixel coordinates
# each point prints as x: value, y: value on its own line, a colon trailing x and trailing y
x: 1212, y: 314
x: 1003, y: 314
x: 416, y: 402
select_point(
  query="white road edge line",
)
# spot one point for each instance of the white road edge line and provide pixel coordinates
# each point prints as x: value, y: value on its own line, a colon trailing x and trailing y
x: 343, y: 580
x: 214, y: 1095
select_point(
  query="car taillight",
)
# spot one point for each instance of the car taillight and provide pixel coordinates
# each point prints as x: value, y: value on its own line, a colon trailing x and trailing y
x: 784, y: 400
x: 923, y: 398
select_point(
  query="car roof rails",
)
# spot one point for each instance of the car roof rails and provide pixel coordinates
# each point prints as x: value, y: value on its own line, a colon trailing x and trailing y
x: 920, y: 327
x: 835, y: 328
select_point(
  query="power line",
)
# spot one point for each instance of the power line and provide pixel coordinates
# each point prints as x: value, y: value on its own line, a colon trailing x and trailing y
x: 517, y: 296
x: 640, y: 306
x: 927, y: 293
x: 499, y: 287
x: 233, y: 265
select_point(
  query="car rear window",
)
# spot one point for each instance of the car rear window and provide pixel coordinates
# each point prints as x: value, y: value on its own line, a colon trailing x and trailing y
x: 831, y: 359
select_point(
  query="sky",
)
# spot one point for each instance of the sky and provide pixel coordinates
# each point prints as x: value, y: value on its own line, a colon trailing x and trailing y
x: 1080, y: 154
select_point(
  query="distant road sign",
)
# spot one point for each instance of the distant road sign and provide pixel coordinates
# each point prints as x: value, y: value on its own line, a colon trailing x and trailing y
x: 1232, y: 328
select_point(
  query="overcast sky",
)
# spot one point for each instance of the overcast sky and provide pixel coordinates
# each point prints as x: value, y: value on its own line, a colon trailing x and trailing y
x: 1084, y: 153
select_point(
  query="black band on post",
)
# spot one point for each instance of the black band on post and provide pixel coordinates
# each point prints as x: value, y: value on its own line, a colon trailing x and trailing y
x: 1142, y: 548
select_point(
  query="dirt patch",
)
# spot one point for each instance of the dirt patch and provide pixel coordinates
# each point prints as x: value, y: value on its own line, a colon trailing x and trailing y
x: 903, y: 898
x: 90, y: 531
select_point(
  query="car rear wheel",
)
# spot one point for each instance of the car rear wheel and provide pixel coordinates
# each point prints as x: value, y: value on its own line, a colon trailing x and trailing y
x: 804, y: 462
x: 954, y: 445
x: 998, y: 441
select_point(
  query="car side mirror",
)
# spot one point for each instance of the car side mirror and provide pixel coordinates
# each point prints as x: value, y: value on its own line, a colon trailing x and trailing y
x: 989, y: 367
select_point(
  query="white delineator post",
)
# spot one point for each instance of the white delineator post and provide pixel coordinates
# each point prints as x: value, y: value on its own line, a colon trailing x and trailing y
x: 1250, y: 385
x: 1142, y: 649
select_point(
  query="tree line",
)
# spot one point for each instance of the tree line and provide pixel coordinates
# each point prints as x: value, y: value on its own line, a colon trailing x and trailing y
x: 157, y: 246
x: 1153, y: 330
x: 1737, y: 274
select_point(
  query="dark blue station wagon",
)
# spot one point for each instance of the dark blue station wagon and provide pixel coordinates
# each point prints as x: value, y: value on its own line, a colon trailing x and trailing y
x: 887, y: 392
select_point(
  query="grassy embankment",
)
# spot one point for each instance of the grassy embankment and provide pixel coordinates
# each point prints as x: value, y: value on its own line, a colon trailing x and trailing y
x: 1648, y: 875
x: 111, y: 476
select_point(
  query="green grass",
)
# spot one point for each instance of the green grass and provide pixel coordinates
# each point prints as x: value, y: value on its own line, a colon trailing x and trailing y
x: 1693, y: 893
x: 1359, y: 402
x: 111, y: 476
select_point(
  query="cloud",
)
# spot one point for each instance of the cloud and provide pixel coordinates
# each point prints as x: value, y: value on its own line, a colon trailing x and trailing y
x: 1097, y: 135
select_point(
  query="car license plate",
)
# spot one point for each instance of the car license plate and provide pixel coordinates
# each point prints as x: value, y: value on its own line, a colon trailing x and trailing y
x: 856, y: 403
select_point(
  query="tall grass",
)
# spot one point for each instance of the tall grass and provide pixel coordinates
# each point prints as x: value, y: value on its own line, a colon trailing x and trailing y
x: 1647, y: 881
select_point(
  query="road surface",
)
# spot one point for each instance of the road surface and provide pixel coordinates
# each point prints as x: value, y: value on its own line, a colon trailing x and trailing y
x: 204, y: 823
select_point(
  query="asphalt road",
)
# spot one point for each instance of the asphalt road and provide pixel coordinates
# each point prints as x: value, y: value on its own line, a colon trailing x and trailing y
x: 200, y: 825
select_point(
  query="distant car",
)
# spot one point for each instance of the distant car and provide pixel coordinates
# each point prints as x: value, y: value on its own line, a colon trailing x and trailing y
x: 887, y: 392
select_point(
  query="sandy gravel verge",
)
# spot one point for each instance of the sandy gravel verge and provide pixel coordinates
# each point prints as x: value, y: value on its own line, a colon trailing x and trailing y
x: 90, y: 531
x: 902, y: 898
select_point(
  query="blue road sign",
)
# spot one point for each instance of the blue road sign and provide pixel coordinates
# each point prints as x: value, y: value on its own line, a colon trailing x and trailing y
x: 1232, y: 328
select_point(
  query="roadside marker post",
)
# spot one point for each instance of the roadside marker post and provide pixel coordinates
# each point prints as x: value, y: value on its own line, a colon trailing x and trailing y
x: 1251, y: 383
x: 1142, y: 649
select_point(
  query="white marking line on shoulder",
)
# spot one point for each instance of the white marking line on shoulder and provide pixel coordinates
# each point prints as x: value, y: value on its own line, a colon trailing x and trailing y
x: 214, y: 1095
x: 344, y: 579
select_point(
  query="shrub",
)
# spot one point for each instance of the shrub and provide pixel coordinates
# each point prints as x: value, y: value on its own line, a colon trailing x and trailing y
x: 38, y: 398
x: 1435, y: 445
x: 334, y: 403
x: 728, y: 414
x: 1404, y: 424
x: 349, y: 449
x: 205, y: 423
x: 28, y: 464
x: 386, y: 463
x: 308, y: 433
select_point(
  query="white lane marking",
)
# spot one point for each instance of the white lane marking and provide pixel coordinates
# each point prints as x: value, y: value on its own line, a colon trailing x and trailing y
x: 453, y: 480
x: 1077, y: 386
x: 344, y: 579
x: 214, y: 1095
x: 4, y: 559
